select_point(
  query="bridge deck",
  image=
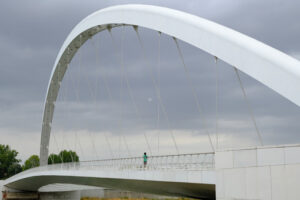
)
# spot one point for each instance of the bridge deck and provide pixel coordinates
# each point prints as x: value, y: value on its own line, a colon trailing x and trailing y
x: 189, y: 175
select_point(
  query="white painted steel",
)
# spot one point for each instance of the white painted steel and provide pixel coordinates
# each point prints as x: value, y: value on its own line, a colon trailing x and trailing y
x: 271, y: 67
x: 58, y: 187
x: 292, y: 155
x: 161, y: 175
x: 186, y: 183
x: 273, y: 174
x: 244, y: 158
x: 224, y: 159
x: 272, y: 156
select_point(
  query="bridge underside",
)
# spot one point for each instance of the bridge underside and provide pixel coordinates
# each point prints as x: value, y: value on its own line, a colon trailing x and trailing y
x: 193, y: 190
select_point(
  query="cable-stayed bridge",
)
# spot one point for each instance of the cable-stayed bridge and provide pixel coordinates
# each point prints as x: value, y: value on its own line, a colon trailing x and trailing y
x: 250, y: 173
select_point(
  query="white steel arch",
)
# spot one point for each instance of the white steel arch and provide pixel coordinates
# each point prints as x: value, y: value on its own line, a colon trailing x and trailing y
x: 271, y: 67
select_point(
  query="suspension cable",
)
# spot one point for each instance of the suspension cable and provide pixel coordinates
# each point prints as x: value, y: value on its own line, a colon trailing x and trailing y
x: 158, y: 75
x: 130, y: 91
x: 91, y: 135
x: 193, y: 90
x: 127, y: 147
x: 77, y: 98
x: 217, y: 102
x: 122, y: 78
x: 97, y: 46
x: 64, y: 95
x: 64, y: 113
x: 248, y: 106
x: 59, y: 82
x: 80, y: 147
x: 121, y: 99
x: 156, y: 89
x: 55, y: 141
x: 66, y: 108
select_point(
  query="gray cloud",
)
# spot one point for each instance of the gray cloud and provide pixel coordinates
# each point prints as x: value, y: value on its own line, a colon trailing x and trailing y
x: 32, y: 33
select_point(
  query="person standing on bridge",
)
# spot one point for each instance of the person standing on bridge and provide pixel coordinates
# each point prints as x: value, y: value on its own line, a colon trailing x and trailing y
x: 145, y: 159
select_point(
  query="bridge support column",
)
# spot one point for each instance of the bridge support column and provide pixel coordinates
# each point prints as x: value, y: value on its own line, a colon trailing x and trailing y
x: 262, y: 173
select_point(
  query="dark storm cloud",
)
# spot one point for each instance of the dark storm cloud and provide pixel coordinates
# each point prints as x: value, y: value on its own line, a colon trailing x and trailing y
x: 32, y: 33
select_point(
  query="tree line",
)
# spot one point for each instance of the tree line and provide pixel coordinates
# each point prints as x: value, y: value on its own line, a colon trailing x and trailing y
x: 11, y: 165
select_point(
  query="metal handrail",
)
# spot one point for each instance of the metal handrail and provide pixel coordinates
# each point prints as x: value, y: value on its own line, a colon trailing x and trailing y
x: 156, y: 156
x: 193, y: 162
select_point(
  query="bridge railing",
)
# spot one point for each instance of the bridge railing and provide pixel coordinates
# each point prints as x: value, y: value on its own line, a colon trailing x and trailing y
x: 195, y: 161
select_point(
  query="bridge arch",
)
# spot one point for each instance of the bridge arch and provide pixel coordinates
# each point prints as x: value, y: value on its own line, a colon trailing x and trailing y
x: 271, y: 67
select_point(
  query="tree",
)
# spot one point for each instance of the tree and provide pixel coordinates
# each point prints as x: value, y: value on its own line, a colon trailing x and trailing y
x: 32, y: 161
x: 53, y: 159
x: 9, y: 164
x: 69, y: 156
x: 63, y: 157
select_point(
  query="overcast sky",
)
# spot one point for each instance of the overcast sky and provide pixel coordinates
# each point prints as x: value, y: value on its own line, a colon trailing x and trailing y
x: 91, y: 116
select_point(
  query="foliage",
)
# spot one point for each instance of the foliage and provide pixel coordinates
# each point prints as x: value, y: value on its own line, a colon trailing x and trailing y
x: 32, y: 161
x: 69, y: 156
x: 63, y: 157
x: 9, y: 164
x: 54, y: 158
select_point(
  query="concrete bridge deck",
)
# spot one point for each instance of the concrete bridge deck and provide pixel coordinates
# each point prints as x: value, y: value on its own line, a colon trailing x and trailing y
x: 186, y: 175
x: 196, y: 184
